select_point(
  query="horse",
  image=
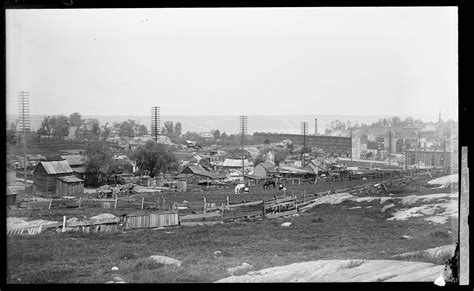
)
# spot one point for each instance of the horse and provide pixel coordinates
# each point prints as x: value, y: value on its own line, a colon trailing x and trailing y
x: 269, y: 184
x: 239, y: 188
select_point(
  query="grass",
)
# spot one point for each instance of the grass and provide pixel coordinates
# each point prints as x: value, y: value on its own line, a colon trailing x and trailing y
x: 324, y: 232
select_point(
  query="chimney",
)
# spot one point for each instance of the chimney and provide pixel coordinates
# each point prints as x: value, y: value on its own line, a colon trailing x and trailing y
x: 315, y: 126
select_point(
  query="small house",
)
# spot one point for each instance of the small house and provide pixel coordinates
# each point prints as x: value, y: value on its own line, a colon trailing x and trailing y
x: 264, y: 170
x: 45, y: 174
x: 69, y: 186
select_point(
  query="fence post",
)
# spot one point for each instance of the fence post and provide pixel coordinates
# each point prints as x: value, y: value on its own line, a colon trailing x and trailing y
x: 227, y: 202
x: 263, y: 209
x: 222, y: 210
x: 64, y: 223
x: 50, y: 201
x: 143, y: 198
x: 163, y: 206
x: 204, y: 210
x: 80, y: 198
x: 304, y: 194
x: 115, y: 205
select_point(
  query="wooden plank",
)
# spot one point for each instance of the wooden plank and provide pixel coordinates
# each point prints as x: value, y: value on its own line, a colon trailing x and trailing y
x: 246, y: 204
x: 200, y: 216
x: 240, y: 214
x: 92, y: 222
x: 280, y: 214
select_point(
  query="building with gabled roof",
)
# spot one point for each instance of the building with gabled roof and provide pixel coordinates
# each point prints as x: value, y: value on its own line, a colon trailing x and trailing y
x: 264, y: 170
x: 45, y: 174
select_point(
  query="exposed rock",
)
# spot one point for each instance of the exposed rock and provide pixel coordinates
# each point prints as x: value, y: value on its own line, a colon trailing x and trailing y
x: 407, y: 237
x: 344, y: 271
x: 240, y: 270
x: 387, y: 207
x: 165, y: 260
x: 286, y: 224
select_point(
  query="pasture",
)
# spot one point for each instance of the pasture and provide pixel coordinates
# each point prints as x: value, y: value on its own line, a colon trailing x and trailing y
x: 349, y: 230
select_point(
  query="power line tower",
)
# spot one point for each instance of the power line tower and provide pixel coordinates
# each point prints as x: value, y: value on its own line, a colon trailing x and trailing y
x: 24, y: 123
x: 304, y: 132
x: 155, y: 122
x: 243, y: 132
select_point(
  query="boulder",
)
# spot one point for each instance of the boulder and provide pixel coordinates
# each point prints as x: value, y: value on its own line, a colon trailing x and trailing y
x: 286, y: 224
x: 165, y: 260
x: 240, y: 270
x: 407, y: 237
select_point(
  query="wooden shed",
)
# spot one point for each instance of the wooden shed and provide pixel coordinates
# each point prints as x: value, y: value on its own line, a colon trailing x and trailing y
x: 69, y: 186
x: 45, y: 174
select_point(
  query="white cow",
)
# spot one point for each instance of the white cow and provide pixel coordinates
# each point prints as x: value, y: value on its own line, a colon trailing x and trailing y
x: 239, y: 188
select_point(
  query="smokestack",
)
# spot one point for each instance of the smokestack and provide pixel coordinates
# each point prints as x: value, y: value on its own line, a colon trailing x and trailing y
x: 315, y: 126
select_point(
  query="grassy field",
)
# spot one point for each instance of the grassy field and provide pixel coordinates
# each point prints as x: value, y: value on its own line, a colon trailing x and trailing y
x: 324, y: 232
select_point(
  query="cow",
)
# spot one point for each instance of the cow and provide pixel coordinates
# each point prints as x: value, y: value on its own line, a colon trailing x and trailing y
x: 239, y: 188
x: 281, y: 187
x: 269, y: 184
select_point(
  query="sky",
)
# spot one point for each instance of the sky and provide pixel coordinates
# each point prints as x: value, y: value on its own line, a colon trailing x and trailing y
x: 234, y: 61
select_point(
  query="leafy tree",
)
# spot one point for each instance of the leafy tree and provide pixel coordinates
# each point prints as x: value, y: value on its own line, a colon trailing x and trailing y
x: 216, y: 134
x: 126, y: 128
x: 142, y: 130
x: 105, y: 131
x: 98, y: 158
x: 155, y: 158
x: 169, y: 128
x: 46, y: 126
x: 76, y: 119
x: 260, y: 158
x: 95, y: 128
x: 12, y: 126
x: 280, y: 155
x: 224, y: 136
x: 178, y: 129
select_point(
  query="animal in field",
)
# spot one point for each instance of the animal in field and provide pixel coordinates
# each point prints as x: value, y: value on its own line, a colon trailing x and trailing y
x: 269, y: 184
x: 239, y: 188
x: 281, y: 187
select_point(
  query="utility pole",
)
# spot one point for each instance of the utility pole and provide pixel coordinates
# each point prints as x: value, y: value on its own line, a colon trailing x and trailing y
x: 155, y: 122
x: 243, y: 131
x: 304, y: 132
x: 389, y: 147
x: 419, y: 149
x: 24, y: 107
x: 352, y: 146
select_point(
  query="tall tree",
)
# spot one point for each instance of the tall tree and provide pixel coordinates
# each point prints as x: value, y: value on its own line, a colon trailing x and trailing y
x: 98, y: 158
x: 126, y: 128
x: 155, y: 158
x: 178, y: 129
x: 75, y: 119
x: 169, y: 128
x: 105, y: 131
x: 216, y: 134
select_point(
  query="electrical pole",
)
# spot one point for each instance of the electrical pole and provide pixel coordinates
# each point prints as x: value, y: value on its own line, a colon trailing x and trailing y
x: 304, y: 132
x: 419, y: 149
x: 155, y: 122
x: 243, y: 131
x: 24, y: 106
x: 352, y: 146
x: 389, y: 147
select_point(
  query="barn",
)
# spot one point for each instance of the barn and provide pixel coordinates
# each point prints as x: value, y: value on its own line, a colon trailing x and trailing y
x: 69, y: 186
x: 45, y: 174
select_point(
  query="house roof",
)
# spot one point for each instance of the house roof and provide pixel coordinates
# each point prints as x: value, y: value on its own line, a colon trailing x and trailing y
x: 268, y: 166
x: 70, y: 179
x: 292, y: 170
x: 80, y: 170
x: 74, y: 160
x: 55, y: 167
x: 235, y: 163
x: 198, y: 170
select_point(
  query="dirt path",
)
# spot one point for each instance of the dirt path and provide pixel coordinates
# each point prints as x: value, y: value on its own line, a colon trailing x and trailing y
x: 344, y: 271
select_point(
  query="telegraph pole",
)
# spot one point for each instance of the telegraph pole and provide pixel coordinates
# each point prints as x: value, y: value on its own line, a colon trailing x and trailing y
x: 389, y: 147
x: 24, y: 108
x: 352, y: 146
x: 243, y: 131
x: 155, y: 122
x: 304, y: 132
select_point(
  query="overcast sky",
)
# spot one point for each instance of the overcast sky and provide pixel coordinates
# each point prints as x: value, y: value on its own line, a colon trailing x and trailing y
x: 367, y: 61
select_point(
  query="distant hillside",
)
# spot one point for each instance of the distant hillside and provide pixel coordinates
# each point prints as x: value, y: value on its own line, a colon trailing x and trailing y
x: 230, y: 124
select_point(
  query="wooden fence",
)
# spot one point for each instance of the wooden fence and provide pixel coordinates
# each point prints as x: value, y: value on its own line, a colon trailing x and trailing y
x: 151, y: 220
